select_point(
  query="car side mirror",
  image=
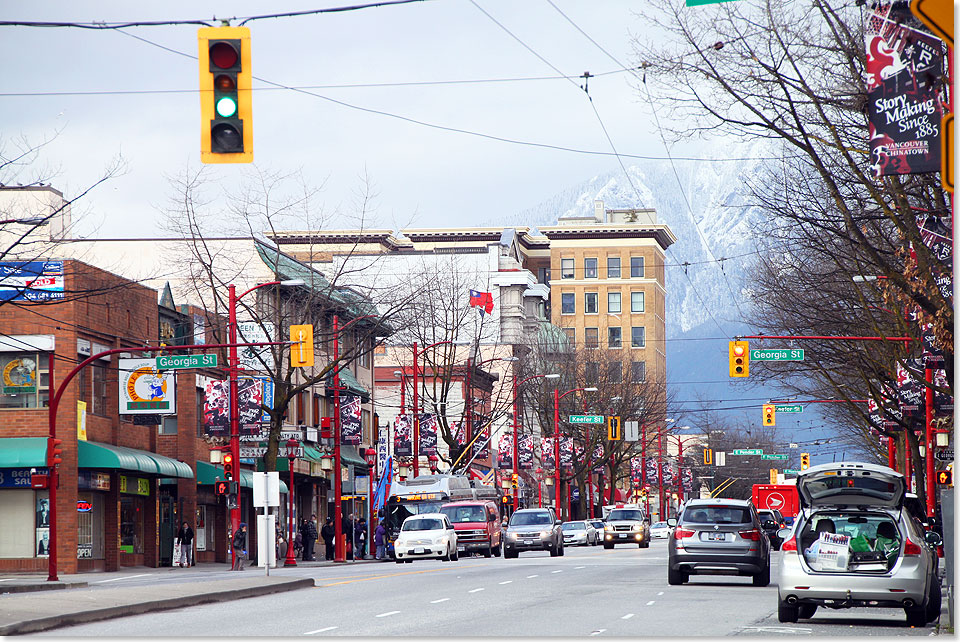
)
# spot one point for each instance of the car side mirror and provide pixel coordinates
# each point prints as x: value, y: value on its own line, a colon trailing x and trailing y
x: 671, y: 522
x: 933, y: 538
x: 558, y: 523
x: 783, y: 533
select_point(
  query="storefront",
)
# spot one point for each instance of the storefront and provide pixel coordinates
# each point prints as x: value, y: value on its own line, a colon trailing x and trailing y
x: 24, y: 512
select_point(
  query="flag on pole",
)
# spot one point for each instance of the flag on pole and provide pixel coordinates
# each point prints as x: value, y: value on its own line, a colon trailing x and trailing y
x: 482, y: 299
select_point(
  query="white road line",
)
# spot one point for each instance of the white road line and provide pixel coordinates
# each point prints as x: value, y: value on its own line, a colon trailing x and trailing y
x: 475, y: 590
x: 329, y: 628
x: 532, y: 576
x: 387, y: 613
x: 126, y: 577
x: 556, y: 571
x: 576, y: 567
x: 627, y: 616
x: 650, y: 603
x: 598, y: 632
x: 660, y: 593
x: 442, y: 599
x: 507, y: 582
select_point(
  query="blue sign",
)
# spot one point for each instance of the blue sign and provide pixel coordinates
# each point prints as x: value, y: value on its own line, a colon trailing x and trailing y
x: 17, y: 477
x: 31, y: 280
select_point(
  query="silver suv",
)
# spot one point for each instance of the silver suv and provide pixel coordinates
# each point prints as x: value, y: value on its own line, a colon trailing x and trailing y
x: 718, y: 536
x: 855, y: 545
x: 533, y: 529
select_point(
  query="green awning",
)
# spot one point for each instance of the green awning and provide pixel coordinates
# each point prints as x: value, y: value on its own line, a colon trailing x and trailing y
x: 92, y: 454
x: 23, y: 452
x: 348, y: 386
x: 312, y: 453
x: 350, y: 455
x: 208, y: 473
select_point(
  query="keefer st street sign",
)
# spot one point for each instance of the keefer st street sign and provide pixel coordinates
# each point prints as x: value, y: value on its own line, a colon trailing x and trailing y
x: 586, y: 419
x: 777, y: 354
x: 791, y: 407
x: 178, y: 361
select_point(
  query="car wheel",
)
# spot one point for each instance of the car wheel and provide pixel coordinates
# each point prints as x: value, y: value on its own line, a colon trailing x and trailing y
x: 554, y: 551
x: 454, y: 554
x: 806, y: 611
x: 399, y: 561
x: 508, y: 554
x: 762, y: 578
x: 646, y: 544
x: 675, y: 577
x: 607, y: 546
x: 935, y: 601
x: 916, y: 616
x: 561, y: 549
x: 787, y: 613
x: 489, y: 551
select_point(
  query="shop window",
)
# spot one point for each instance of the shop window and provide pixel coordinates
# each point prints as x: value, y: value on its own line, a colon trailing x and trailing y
x: 590, y: 268
x: 25, y: 378
x: 613, y: 267
x: 100, y: 401
x: 90, y: 526
x: 131, y: 524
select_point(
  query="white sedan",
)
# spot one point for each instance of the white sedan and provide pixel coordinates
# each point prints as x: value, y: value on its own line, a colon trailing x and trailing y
x: 429, y: 535
x: 660, y: 530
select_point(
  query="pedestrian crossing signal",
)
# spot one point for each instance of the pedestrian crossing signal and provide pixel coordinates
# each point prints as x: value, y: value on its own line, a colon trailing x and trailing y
x: 945, y: 478
x: 222, y: 487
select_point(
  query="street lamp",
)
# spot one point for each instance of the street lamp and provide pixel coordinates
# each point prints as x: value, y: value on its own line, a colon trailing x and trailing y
x: 539, y: 487
x: 233, y: 370
x: 557, y: 396
x: 291, y: 559
x: 516, y: 385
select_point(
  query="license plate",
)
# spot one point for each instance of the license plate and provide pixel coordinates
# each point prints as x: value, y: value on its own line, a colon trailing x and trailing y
x: 716, y: 537
x: 621, y: 535
x: 461, y: 548
x: 418, y: 550
x: 528, y: 541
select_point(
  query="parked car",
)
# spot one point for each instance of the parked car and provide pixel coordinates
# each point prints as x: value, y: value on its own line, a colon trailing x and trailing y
x: 581, y: 533
x: 533, y: 529
x: 659, y: 530
x: 772, y: 521
x: 425, y: 536
x: 478, y: 526
x: 627, y: 525
x: 855, y: 545
x: 718, y: 536
x: 598, y: 525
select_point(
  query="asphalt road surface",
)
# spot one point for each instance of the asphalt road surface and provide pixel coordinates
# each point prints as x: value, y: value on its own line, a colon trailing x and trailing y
x: 588, y: 592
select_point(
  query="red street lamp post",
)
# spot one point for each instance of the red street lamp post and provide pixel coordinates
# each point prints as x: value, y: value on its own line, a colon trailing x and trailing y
x: 557, y: 396
x: 516, y: 385
x: 291, y: 559
x: 371, y: 466
x: 539, y: 487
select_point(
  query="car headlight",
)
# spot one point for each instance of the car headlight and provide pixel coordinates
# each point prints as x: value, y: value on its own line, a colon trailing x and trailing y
x: 511, y: 536
x: 544, y: 533
x: 636, y: 527
x: 608, y: 529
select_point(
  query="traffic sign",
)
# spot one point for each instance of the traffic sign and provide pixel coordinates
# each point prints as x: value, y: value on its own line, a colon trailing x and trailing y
x: 748, y: 451
x: 944, y: 455
x: 791, y: 471
x: 936, y: 14
x: 180, y: 361
x: 249, y: 452
x: 773, y: 457
x: 776, y: 354
x: 586, y: 419
x: 790, y: 407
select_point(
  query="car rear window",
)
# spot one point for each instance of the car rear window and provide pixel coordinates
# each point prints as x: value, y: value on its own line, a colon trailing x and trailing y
x: 716, y: 515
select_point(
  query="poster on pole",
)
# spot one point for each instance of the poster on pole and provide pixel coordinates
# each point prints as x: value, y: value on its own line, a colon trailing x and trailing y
x: 402, y: 436
x: 383, y: 449
x: 428, y: 434
x: 653, y: 477
x: 481, y: 447
x: 566, y: 452
x: 505, y: 451
x: 256, y: 358
x: 144, y: 390
x: 525, y: 452
x: 351, y: 429
x: 216, y: 407
x: 636, y: 468
x: 547, y: 454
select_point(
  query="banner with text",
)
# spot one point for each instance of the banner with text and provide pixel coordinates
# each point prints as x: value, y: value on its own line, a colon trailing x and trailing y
x: 402, y: 436
x: 525, y: 452
x: 428, y: 434
x: 505, y: 451
x: 547, y: 454
x: 351, y: 428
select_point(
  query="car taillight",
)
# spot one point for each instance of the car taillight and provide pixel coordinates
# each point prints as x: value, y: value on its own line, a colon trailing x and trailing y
x: 753, y: 535
x: 680, y: 533
x: 911, y: 548
x: 789, y: 545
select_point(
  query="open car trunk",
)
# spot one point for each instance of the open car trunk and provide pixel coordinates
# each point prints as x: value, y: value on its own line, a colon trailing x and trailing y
x: 851, y: 485
x: 845, y: 541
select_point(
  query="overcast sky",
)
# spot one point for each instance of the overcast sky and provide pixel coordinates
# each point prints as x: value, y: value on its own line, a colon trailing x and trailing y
x: 421, y: 175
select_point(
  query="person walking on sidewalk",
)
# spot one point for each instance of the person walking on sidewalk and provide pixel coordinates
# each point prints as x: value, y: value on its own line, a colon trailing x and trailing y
x: 309, y: 538
x: 360, y: 539
x: 348, y: 535
x: 239, y: 545
x: 379, y: 536
x: 185, y: 537
x: 329, y: 534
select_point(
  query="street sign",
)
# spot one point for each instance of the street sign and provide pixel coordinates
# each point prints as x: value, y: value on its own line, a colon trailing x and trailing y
x: 944, y: 455
x: 773, y: 457
x: 790, y: 471
x: 631, y: 431
x: 249, y: 452
x: 179, y: 361
x: 791, y: 407
x: 720, y: 458
x: 586, y: 419
x: 748, y: 451
x: 777, y: 354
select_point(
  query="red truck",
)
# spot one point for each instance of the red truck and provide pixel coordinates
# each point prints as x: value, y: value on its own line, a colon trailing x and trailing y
x: 781, y: 497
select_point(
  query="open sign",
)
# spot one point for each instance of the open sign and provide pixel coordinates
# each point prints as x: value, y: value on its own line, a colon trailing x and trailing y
x: 83, y: 506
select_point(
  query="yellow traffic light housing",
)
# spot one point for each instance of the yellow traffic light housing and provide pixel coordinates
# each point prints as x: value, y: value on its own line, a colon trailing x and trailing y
x: 739, y: 357
x: 301, y: 350
x: 613, y: 428
x: 769, y: 414
x: 226, y: 103
x: 707, y: 456
x: 804, y: 461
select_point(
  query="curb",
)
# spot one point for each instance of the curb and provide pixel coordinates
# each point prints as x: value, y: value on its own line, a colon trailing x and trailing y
x: 94, y: 615
x: 51, y: 586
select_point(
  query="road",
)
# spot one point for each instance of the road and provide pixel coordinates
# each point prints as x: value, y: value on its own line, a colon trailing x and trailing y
x: 588, y: 592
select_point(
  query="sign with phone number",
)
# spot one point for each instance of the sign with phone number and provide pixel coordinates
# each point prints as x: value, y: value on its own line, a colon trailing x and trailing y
x: 17, y: 477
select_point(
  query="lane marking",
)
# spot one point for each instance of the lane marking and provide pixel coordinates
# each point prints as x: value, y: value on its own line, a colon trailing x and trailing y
x: 627, y: 616
x: 378, y: 577
x: 598, y: 632
x: 507, y: 582
x: 475, y: 590
x: 576, y: 567
x: 558, y: 571
x: 660, y: 593
x: 650, y: 603
x: 126, y: 577
x: 329, y: 628
x: 387, y: 613
x: 532, y: 576
x: 442, y: 599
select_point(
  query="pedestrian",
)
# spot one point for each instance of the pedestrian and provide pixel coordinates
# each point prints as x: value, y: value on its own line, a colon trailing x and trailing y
x: 360, y: 537
x: 329, y: 534
x: 309, y: 538
x: 185, y: 537
x: 348, y: 534
x: 239, y: 545
x: 379, y: 540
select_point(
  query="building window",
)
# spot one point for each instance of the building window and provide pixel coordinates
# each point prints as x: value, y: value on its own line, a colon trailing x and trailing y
x: 613, y: 302
x: 365, y: 354
x: 543, y: 275
x: 25, y: 379
x: 132, y: 513
x: 568, y: 303
x: 590, y: 269
x: 614, y: 337
x: 571, y: 336
x: 615, y: 372
x: 636, y: 301
x: 168, y: 425
x: 638, y: 371
x: 591, y: 337
x: 365, y: 426
x: 566, y: 268
x: 636, y: 267
x: 591, y: 372
x: 591, y: 303
x: 199, y: 399
x: 99, y: 388
x: 83, y: 381
x: 316, y: 409
x: 638, y: 337
x: 613, y: 267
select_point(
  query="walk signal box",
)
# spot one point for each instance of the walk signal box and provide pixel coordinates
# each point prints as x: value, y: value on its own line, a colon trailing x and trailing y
x: 614, y: 432
x: 945, y: 478
x: 739, y: 357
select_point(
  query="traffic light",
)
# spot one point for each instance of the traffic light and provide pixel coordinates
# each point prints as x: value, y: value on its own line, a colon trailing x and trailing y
x: 739, y: 358
x: 613, y: 429
x: 54, y: 452
x: 769, y: 414
x: 773, y: 475
x: 707, y: 456
x: 228, y: 465
x: 301, y: 350
x: 945, y: 478
x: 804, y: 461
x: 226, y: 130
x: 515, y: 480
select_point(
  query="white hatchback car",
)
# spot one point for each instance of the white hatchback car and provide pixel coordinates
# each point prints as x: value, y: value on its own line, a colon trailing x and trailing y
x: 660, y: 530
x: 429, y: 535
